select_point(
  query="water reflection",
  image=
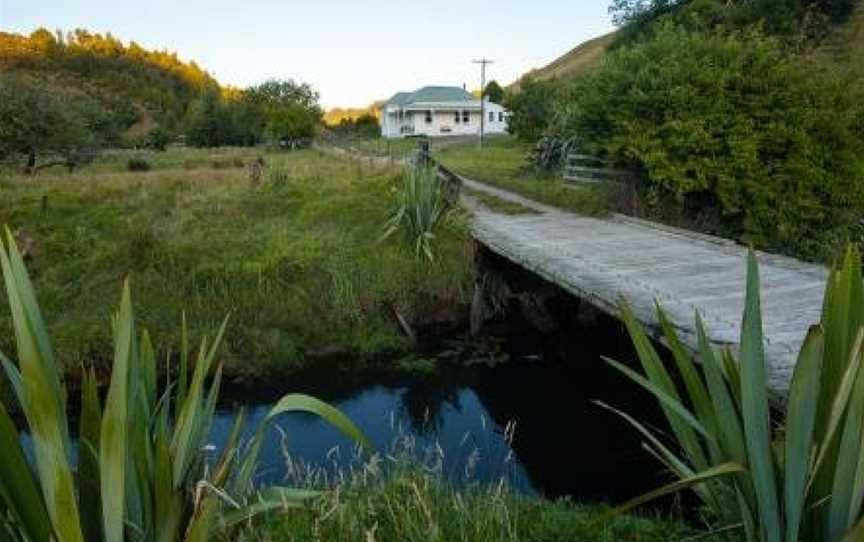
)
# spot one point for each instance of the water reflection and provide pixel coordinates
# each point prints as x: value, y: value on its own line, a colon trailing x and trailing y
x: 441, y: 424
x: 559, y: 442
x: 531, y: 421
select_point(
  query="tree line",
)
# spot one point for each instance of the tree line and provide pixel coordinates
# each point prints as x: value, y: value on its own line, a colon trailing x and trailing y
x: 64, y: 96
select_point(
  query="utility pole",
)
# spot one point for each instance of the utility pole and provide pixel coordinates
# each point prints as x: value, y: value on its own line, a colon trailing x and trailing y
x: 483, y: 62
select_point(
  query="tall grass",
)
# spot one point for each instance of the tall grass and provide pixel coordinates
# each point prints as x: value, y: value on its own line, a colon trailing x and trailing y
x: 403, y: 495
x: 799, y: 476
x: 140, y: 473
x: 207, y: 241
x: 418, y: 208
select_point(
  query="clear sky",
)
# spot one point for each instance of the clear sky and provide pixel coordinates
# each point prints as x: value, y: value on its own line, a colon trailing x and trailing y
x: 353, y: 52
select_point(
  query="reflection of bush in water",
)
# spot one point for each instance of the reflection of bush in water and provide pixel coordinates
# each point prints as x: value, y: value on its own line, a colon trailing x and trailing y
x: 423, y: 405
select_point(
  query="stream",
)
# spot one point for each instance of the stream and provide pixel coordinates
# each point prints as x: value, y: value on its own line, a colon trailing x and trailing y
x: 521, y: 407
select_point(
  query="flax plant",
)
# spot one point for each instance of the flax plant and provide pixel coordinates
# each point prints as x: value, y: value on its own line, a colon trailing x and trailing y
x: 140, y: 473
x: 783, y: 478
x: 419, y: 207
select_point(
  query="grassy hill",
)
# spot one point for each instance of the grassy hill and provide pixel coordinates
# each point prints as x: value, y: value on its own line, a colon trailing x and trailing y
x: 134, y: 86
x: 574, y: 62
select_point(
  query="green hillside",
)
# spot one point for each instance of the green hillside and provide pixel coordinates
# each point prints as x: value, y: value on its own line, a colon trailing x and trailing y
x: 131, y: 86
x: 574, y: 62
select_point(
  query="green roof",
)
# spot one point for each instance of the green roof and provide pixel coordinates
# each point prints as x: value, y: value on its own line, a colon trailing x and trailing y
x: 398, y: 99
x: 431, y: 94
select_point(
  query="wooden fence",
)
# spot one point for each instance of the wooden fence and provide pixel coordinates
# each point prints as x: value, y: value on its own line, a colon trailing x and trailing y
x: 582, y: 168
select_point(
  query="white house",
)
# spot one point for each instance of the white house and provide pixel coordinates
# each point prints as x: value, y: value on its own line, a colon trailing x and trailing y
x: 439, y: 111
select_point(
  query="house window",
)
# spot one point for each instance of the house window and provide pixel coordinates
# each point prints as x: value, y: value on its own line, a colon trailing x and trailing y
x: 428, y: 117
x: 491, y: 116
x: 456, y: 117
x: 466, y: 117
x: 500, y: 116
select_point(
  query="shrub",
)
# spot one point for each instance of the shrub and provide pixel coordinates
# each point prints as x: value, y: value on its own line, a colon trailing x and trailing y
x: 139, y: 471
x: 138, y: 164
x: 732, y: 119
x: 531, y: 108
x: 157, y: 139
x: 803, y: 482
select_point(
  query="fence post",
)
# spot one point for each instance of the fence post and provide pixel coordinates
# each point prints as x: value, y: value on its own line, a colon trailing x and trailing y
x: 423, y: 156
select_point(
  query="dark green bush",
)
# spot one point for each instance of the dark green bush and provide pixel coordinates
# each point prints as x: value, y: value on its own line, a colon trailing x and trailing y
x: 730, y: 120
x: 157, y: 139
x: 138, y: 164
x: 531, y: 108
x: 796, y: 22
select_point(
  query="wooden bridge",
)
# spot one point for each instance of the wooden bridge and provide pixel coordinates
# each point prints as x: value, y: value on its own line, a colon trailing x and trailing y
x: 604, y: 260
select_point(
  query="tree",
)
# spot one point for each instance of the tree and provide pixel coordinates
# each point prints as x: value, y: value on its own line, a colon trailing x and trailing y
x: 35, y: 120
x: 247, y: 121
x: 290, y: 110
x: 628, y: 11
x: 209, y: 124
x: 275, y: 94
x: 531, y: 108
x: 494, y: 92
x: 367, y: 125
x: 291, y: 123
x: 364, y: 126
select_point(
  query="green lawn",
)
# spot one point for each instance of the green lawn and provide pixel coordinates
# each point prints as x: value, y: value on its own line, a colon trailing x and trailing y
x: 503, y: 162
x: 295, y: 258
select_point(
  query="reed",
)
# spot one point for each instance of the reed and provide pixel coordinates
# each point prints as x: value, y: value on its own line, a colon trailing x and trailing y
x: 140, y: 473
x: 769, y: 478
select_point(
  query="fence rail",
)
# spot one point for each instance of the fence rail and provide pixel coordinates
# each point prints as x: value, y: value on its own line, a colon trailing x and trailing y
x: 586, y: 169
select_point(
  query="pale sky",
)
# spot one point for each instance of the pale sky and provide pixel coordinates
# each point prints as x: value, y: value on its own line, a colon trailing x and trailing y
x: 353, y: 52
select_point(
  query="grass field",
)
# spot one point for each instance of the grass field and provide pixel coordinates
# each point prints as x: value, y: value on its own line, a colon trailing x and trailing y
x: 395, y: 148
x: 503, y: 162
x: 295, y: 258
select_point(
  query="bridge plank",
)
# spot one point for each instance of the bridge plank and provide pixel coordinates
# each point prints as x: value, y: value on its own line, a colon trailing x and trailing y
x: 607, y: 260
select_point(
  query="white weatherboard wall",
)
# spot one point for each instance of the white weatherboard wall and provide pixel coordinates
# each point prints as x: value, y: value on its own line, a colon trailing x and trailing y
x: 443, y: 122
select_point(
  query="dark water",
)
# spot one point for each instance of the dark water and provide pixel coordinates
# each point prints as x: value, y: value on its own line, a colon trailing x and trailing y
x: 530, y: 420
x: 531, y: 423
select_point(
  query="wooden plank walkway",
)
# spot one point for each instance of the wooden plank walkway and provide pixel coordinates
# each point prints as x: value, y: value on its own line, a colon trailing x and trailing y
x: 605, y: 260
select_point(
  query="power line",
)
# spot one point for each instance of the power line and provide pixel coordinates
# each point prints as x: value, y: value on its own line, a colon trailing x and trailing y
x: 483, y: 62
